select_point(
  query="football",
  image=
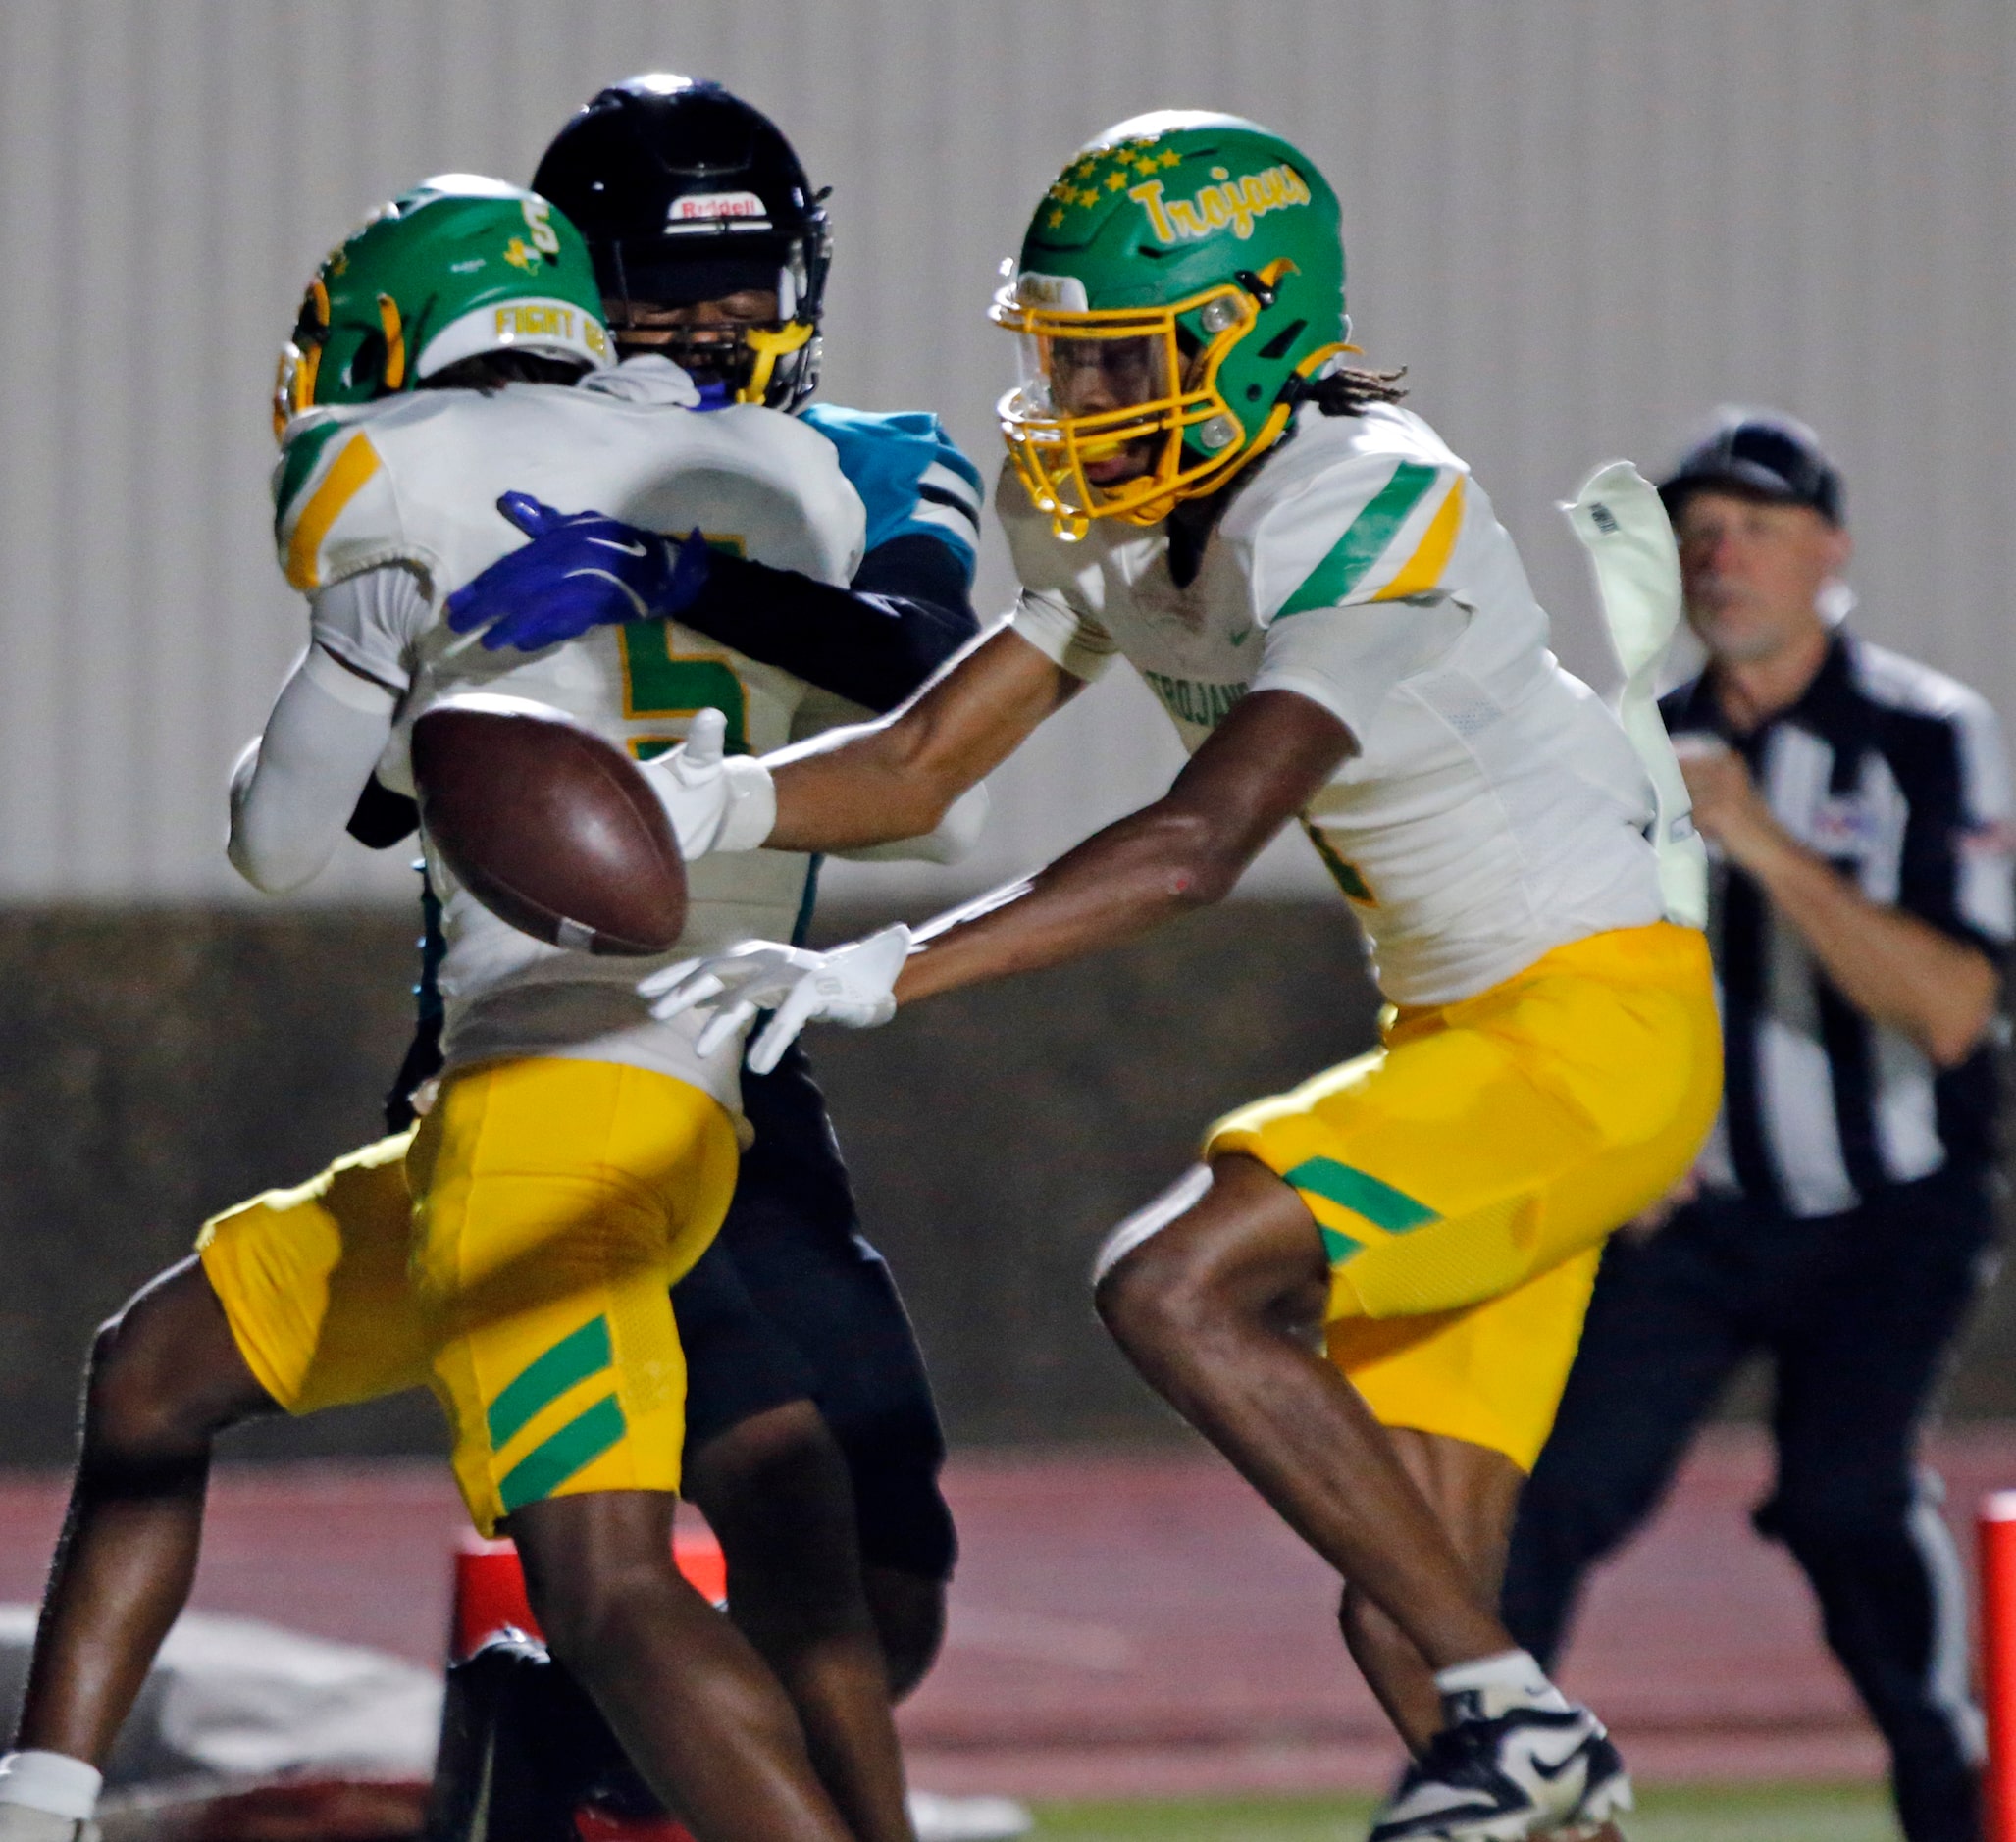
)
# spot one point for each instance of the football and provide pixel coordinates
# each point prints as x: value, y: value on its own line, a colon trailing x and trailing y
x: 549, y: 826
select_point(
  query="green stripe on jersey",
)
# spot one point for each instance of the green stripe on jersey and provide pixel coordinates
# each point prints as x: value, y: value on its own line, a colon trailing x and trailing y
x: 549, y: 1465
x: 1363, y: 545
x: 303, y: 452
x: 574, y: 1359
x: 1363, y: 1193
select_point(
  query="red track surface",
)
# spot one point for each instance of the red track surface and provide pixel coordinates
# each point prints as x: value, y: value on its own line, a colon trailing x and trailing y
x: 1133, y: 1623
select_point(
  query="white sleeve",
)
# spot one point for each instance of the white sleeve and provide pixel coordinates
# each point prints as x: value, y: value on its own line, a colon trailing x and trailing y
x: 294, y: 789
x: 1348, y: 659
x: 372, y: 622
x: 1073, y: 642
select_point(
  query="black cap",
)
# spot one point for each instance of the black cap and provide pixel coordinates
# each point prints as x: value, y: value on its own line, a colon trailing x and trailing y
x: 1759, y: 454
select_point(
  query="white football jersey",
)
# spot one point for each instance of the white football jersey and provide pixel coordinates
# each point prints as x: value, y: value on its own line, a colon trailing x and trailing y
x: 1494, y: 809
x: 384, y: 510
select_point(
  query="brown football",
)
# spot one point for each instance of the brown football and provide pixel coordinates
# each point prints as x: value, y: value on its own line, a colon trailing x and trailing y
x: 549, y: 826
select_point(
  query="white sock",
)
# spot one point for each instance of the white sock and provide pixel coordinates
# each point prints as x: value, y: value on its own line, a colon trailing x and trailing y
x: 1509, y: 1679
x: 51, y: 1781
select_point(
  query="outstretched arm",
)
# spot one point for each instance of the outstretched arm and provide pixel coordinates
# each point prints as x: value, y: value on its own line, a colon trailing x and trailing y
x: 1263, y: 765
x: 851, y: 788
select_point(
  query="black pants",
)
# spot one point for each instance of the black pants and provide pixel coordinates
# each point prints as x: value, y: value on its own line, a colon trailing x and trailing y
x: 1856, y: 1311
x: 790, y: 1302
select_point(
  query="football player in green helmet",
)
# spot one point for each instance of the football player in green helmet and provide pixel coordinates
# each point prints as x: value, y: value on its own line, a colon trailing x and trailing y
x: 1173, y: 313
x: 497, y: 271
x: 531, y: 1293
x: 1368, y: 1291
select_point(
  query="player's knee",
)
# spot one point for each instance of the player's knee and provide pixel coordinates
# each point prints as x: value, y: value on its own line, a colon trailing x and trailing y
x: 910, y: 1621
x: 1841, y: 1515
x: 1157, y: 1291
x: 581, y: 1609
x: 1575, y: 1509
x: 776, y: 1488
x: 1351, y: 1606
x: 135, y: 1403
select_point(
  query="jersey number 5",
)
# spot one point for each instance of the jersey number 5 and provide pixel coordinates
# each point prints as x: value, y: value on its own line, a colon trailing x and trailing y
x: 660, y: 683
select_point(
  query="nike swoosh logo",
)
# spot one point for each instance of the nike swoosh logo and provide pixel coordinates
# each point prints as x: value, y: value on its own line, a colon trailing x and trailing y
x: 636, y: 601
x: 628, y: 549
x: 1241, y: 636
x: 1555, y: 1770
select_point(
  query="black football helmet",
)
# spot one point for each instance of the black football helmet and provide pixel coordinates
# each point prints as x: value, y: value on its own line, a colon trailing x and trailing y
x: 686, y: 193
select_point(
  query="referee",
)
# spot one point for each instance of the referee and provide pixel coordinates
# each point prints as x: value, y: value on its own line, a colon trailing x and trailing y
x: 1858, y: 809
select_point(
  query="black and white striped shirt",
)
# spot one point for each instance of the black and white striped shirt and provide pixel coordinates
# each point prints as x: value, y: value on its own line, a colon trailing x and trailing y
x: 1895, y: 774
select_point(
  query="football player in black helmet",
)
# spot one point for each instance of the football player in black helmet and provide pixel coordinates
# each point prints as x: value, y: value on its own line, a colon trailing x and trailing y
x: 710, y: 243
x: 812, y: 1443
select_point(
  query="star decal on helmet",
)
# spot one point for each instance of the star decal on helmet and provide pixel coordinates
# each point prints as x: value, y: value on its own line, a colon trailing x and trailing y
x: 521, y: 255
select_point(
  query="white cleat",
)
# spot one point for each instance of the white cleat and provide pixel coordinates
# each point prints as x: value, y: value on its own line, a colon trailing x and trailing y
x: 1526, y: 1773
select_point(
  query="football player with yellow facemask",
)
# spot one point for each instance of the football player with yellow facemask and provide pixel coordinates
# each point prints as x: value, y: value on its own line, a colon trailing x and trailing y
x: 1317, y: 590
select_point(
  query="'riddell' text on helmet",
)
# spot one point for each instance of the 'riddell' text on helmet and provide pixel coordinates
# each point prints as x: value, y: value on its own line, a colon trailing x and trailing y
x: 1178, y: 284
x: 687, y: 194
x: 458, y: 267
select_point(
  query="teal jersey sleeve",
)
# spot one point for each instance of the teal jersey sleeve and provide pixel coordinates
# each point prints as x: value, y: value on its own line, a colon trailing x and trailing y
x: 910, y: 477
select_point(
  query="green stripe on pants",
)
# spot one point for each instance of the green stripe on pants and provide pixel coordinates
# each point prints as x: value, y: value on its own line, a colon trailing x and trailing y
x: 574, y: 1359
x: 550, y: 1464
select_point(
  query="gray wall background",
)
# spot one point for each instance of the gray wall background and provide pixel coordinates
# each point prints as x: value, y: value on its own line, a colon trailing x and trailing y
x: 1582, y: 222
x: 166, y: 1065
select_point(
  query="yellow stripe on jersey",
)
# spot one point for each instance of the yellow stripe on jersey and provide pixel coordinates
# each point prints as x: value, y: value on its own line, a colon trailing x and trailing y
x: 1424, y: 568
x: 340, y: 485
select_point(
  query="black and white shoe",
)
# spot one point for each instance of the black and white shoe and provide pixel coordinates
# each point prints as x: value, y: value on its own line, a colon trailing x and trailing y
x: 1525, y: 1773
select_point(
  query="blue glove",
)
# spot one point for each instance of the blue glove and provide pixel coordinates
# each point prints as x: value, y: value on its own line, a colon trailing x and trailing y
x: 581, y: 570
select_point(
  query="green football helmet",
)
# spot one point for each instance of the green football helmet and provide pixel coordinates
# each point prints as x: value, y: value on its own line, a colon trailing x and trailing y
x: 1178, y: 284
x: 457, y: 266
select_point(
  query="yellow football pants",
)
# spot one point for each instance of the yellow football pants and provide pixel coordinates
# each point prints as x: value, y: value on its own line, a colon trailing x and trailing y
x: 514, y: 1252
x: 1464, y: 1175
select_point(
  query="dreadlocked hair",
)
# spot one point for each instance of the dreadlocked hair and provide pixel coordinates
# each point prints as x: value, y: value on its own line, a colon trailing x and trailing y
x: 1350, y: 390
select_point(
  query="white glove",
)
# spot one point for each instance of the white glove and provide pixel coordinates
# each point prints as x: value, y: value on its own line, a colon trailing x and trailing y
x: 715, y: 802
x: 854, y: 984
